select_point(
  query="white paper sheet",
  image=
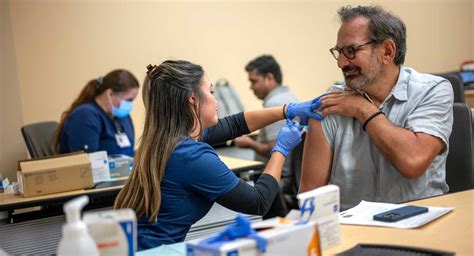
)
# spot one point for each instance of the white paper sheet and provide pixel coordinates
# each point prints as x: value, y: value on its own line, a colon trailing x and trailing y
x: 363, y: 213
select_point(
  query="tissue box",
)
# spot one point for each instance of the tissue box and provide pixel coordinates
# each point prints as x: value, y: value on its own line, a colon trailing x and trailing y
x: 284, y: 237
x: 120, y: 165
x: 114, y: 231
x: 322, y: 205
x: 41, y: 176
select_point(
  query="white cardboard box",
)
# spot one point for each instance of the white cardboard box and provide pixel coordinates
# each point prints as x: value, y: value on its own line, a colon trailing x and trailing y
x: 100, y: 166
x: 283, y: 239
x: 322, y: 206
x: 114, y: 231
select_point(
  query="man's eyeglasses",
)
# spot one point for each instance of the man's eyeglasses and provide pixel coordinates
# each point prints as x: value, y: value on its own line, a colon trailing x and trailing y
x: 348, y: 51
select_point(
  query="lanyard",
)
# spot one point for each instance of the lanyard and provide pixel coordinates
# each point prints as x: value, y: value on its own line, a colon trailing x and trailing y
x: 118, y: 126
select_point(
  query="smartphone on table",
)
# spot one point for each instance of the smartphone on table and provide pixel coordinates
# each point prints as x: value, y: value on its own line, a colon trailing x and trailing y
x: 400, y: 213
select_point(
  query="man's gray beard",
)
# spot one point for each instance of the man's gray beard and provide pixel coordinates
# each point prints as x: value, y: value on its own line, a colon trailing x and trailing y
x: 357, y: 84
x: 360, y: 83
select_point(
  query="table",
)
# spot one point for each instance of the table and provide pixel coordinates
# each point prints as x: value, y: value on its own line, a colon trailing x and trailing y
x: 452, y: 232
x: 241, y: 153
x: 103, y: 194
x: 41, y: 236
x: 238, y: 165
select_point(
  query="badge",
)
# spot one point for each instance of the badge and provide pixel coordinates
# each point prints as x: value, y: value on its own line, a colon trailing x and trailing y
x: 122, y: 140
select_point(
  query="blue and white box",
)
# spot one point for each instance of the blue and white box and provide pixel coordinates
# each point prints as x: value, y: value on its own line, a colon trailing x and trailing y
x: 275, y: 236
x: 322, y: 205
x: 120, y: 165
x: 100, y: 166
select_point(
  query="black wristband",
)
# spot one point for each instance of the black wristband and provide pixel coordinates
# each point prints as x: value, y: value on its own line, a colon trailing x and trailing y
x: 284, y: 112
x: 371, y: 117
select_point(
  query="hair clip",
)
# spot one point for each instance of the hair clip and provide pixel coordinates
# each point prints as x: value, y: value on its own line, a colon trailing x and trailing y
x: 99, y: 81
x: 151, y: 70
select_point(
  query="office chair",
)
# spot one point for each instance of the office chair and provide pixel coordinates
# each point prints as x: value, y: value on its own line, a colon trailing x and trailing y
x: 458, y: 87
x: 39, y: 138
x: 228, y: 100
x: 459, y: 165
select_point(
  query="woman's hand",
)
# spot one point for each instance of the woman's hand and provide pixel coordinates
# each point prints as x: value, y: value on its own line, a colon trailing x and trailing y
x: 288, y: 138
x: 304, y: 110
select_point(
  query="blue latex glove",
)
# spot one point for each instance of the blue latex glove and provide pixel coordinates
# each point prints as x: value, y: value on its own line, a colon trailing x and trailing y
x: 305, y: 110
x: 241, y: 228
x: 288, y: 138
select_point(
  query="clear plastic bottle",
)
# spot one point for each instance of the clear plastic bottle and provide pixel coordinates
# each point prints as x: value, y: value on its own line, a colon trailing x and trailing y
x: 76, y: 241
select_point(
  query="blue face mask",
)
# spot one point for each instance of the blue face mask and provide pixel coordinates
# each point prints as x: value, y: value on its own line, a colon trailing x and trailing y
x: 123, y: 110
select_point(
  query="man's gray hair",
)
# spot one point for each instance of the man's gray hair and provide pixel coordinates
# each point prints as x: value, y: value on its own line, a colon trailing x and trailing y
x: 382, y: 25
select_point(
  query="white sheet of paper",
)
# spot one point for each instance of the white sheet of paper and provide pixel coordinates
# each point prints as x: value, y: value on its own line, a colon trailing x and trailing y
x: 363, y: 213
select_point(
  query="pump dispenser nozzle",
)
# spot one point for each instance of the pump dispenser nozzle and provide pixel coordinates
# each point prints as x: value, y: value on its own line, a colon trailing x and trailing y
x: 76, y: 240
x: 73, y: 209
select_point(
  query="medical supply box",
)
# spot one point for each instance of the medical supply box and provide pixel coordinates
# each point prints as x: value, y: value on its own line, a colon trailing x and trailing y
x: 100, y: 166
x: 120, y: 165
x: 283, y: 237
x: 315, y: 227
x: 55, y: 174
x: 114, y: 231
x: 322, y: 206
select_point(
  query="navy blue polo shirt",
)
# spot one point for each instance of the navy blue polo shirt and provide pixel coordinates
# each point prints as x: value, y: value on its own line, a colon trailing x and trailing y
x: 88, y: 127
x: 194, y: 178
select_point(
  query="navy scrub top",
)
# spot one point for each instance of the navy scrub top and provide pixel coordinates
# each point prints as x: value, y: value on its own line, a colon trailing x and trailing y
x: 194, y: 178
x: 90, y: 128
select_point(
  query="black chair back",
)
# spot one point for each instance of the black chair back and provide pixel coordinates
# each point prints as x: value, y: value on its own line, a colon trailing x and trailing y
x: 459, y: 165
x: 39, y: 138
x: 458, y: 87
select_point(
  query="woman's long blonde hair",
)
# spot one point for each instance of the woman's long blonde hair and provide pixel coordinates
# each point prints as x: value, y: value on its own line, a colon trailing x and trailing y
x: 168, y: 119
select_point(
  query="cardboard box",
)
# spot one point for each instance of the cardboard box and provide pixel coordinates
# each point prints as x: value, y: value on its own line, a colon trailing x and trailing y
x: 284, y: 237
x: 49, y: 175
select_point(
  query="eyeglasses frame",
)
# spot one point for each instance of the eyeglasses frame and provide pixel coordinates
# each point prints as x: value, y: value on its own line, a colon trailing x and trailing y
x: 355, y: 48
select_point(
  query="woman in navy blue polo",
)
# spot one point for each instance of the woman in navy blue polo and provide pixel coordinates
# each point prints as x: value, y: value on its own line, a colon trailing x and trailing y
x: 177, y: 176
x: 99, y: 118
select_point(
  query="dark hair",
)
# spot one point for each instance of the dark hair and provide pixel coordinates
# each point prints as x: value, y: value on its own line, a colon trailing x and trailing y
x: 382, y: 25
x: 168, y: 119
x: 119, y: 80
x: 264, y: 65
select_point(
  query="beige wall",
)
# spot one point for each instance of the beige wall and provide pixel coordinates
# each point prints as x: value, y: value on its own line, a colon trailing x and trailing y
x: 60, y: 44
x: 12, y: 147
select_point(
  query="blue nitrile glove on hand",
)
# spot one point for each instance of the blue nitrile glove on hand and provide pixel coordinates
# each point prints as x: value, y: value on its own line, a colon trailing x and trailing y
x: 288, y: 138
x: 304, y: 110
x: 240, y: 229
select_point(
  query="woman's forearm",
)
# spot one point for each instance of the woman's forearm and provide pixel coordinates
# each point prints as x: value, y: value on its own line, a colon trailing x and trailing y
x: 257, y: 119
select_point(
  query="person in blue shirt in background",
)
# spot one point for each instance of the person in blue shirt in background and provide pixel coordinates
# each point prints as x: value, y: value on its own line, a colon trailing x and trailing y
x: 177, y: 175
x: 99, y: 117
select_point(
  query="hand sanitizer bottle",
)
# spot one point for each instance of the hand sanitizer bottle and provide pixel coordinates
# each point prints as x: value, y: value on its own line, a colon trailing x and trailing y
x: 76, y: 240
